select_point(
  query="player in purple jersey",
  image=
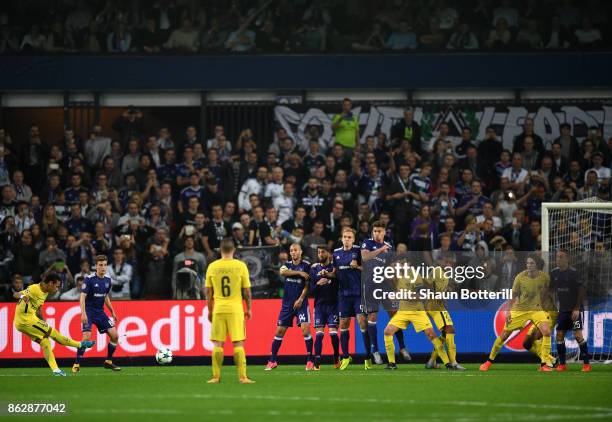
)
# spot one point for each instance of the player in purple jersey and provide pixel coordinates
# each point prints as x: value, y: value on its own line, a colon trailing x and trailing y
x: 94, y: 295
x: 294, y: 305
x: 347, y: 269
x: 376, y: 249
x: 325, y: 292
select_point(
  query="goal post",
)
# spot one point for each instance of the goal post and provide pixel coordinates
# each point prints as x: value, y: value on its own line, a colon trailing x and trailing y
x: 605, y: 207
x: 584, y: 230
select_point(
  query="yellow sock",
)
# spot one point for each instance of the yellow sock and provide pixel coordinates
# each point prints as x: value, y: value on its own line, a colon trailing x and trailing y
x: 240, y: 362
x: 451, y: 347
x: 63, y: 340
x: 439, y: 346
x: 545, y: 349
x: 45, y: 344
x: 536, y: 348
x: 496, y: 348
x: 217, y: 361
x: 434, y: 356
x: 390, y: 348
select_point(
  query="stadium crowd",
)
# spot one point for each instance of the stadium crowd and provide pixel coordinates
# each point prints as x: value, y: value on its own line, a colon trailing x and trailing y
x: 192, y: 26
x: 158, y: 205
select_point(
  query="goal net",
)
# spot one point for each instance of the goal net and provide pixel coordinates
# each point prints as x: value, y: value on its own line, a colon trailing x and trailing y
x: 584, y: 230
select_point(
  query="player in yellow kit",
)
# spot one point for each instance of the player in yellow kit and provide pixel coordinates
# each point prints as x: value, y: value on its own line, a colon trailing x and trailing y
x: 529, y: 294
x: 436, y: 309
x: 411, y: 311
x: 28, y: 320
x: 227, y: 284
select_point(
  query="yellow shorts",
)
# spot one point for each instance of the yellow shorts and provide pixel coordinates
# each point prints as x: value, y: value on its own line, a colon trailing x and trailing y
x: 36, y: 329
x: 226, y: 323
x: 518, y: 319
x: 440, y: 318
x: 419, y: 320
x: 553, y: 321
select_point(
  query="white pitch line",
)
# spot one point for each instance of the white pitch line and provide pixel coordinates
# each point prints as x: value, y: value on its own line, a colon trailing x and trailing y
x: 464, y: 403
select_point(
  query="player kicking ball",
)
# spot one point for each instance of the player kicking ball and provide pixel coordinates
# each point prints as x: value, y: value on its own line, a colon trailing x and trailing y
x: 94, y: 295
x: 566, y: 282
x: 227, y: 285
x: 294, y: 305
x: 325, y: 292
x: 28, y: 320
x: 529, y: 291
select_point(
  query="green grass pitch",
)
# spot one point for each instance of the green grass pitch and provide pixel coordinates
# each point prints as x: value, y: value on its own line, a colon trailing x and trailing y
x: 508, y: 392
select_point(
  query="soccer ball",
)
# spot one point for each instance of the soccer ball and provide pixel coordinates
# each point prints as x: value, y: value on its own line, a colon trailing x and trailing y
x: 163, y: 356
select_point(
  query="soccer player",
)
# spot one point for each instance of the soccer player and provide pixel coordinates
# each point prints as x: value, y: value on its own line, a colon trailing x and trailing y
x: 412, y: 311
x: 436, y: 309
x: 28, y: 319
x: 529, y: 291
x: 294, y: 305
x: 566, y: 283
x: 227, y: 285
x: 347, y: 269
x: 325, y: 291
x: 94, y: 295
x: 375, y: 249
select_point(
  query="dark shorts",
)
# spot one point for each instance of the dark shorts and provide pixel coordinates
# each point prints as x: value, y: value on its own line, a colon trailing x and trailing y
x: 98, y: 318
x: 287, y: 314
x: 349, y: 306
x: 565, y: 323
x: 326, y: 314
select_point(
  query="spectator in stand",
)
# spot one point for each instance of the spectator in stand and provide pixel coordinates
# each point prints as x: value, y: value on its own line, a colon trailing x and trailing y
x: 529, y: 36
x: 97, y: 147
x: 603, y: 173
x: 518, y: 144
x: 214, y: 232
x: 75, y: 293
x: 130, y: 125
x: 346, y: 126
x: 120, y: 273
x: 569, y: 144
x: 500, y: 37
x: 252, y: 186
x: 507, y: 12
x: 150, y: 38
x: 530, y: 154
x: 120, y: 40
x: 516, y: 174
x: 557, y: 37
x: 375, y: 40
x: 17, y: 285
x: 434, y: 38
x: 402, y: 39
x: 409, y: 130
x: 187, y: 270
x: 158, y: 252
x: 34, y: 41
x: 463, y: 39
x: 588, y: 35
x: 185, y: 39
x: 26, y: 258
x: 33, y: 159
